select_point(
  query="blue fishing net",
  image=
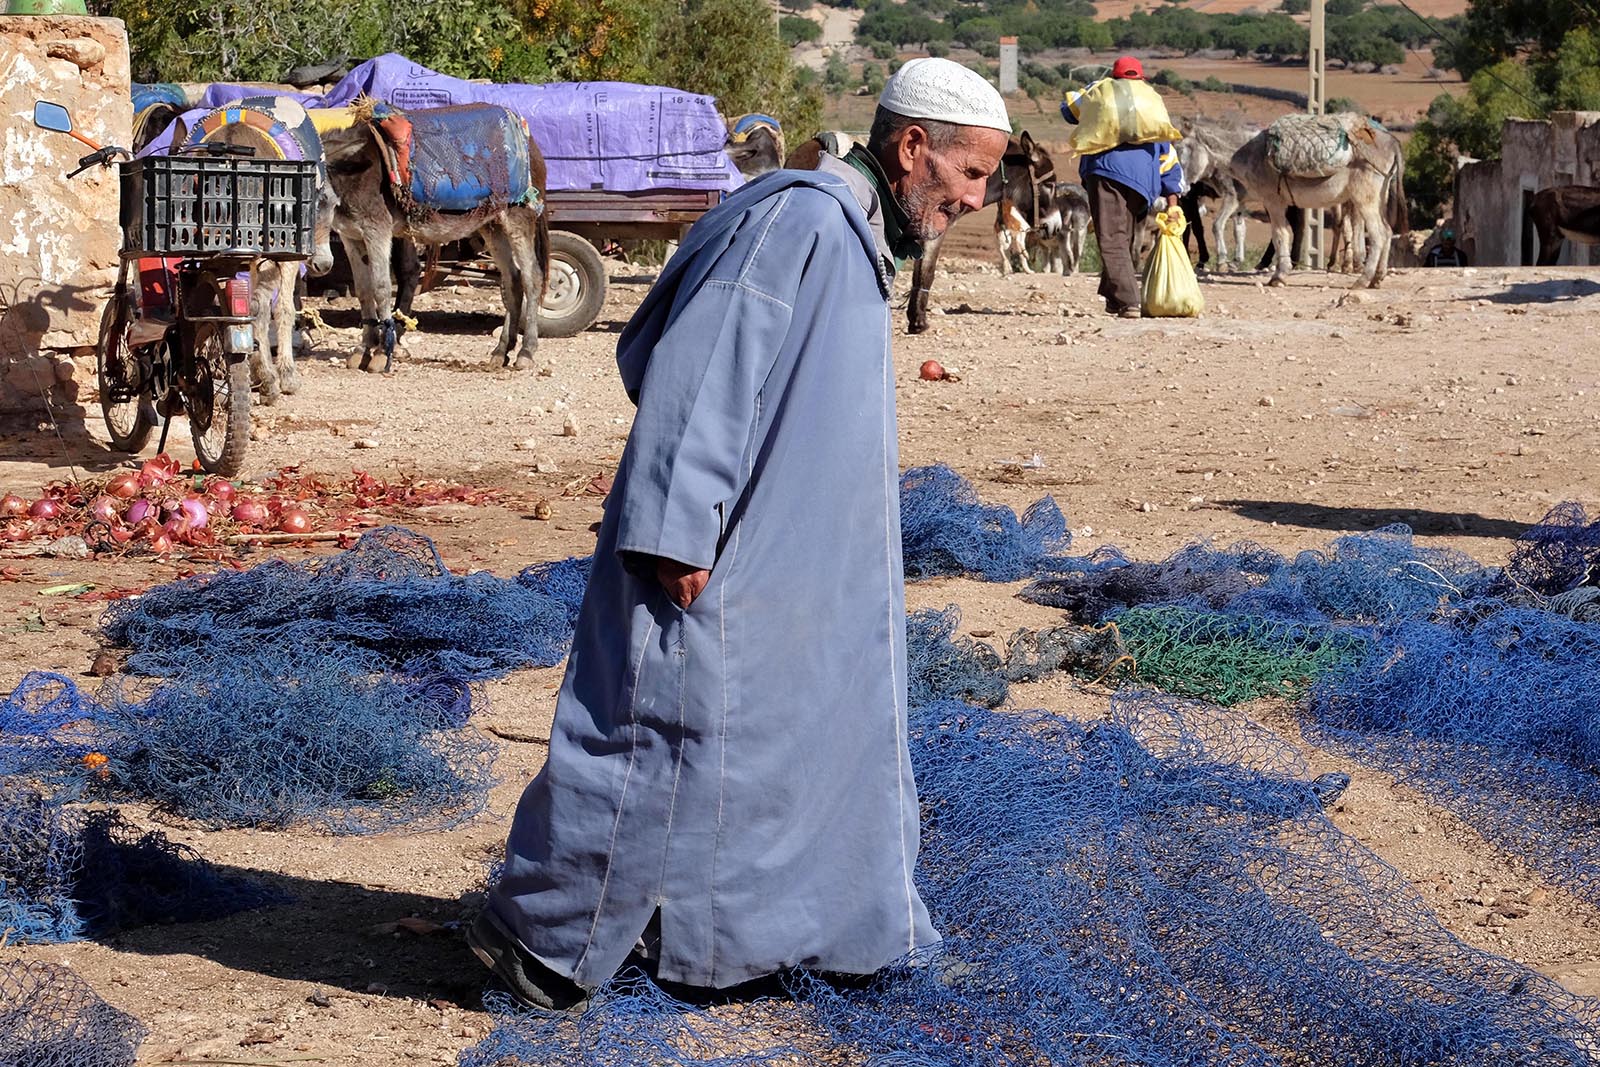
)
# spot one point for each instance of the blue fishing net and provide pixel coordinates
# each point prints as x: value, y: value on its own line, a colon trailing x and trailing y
x: 1374, y: 577
x: 49, y: 1017
x: 387, y: 603
x: 1557, y: 554
x: 334, y: 692
x: 44, y: 727
x: 68, y: 873
x: 265, y: 740
x: 1157, y: 887
x: 946, y: 530
x: 1492, y: 714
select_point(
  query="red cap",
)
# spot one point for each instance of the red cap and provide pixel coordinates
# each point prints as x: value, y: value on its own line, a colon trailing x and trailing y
x: 1127, y: 67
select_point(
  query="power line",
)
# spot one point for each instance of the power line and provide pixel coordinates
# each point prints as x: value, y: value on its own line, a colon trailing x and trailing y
x: 1443, y: 36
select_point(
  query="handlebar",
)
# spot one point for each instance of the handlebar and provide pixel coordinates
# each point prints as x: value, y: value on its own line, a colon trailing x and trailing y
x: 101, y: 156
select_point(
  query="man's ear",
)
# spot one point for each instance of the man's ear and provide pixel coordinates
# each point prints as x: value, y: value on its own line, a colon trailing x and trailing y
x: 912, y: 141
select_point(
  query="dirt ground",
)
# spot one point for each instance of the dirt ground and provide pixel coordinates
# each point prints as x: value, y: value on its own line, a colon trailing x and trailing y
x: 1460, y: 401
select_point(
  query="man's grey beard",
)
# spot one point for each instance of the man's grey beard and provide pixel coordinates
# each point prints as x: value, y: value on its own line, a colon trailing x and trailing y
x: 922, y: 207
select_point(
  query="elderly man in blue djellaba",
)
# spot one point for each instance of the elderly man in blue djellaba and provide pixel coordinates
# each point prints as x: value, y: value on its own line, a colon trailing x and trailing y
x: 728, y: 794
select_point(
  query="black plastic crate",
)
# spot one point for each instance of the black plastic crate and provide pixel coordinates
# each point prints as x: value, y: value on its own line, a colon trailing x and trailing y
x: 175, y: 205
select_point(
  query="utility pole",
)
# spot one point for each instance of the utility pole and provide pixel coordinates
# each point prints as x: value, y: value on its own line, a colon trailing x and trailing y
x: 1316, y: 104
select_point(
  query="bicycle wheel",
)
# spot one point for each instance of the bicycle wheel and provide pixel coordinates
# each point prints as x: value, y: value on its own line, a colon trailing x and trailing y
x: 218, y: 405
x: 124, y: 398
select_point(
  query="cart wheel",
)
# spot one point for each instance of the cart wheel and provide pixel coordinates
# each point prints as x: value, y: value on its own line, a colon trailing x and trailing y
x: 124, y: 398
x: 575, y: 291
x: 219, y: 405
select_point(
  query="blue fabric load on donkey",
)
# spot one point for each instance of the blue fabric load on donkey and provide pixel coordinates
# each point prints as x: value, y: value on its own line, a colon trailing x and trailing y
x: 467, y: 157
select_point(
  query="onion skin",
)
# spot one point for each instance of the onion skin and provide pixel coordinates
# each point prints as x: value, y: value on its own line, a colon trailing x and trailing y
x: 161, y: 544
x: 124, y: 485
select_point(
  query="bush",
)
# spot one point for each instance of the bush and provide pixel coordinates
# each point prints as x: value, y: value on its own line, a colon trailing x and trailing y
x: 1214, y: 84
x: 793, y: 30
x: 835, y: 74
x: 1172, y: 80
x: 726, y: 49
x: 1343, y: 104
x: 882, y: 50
x: 872, y: 78
x: 938, y: 49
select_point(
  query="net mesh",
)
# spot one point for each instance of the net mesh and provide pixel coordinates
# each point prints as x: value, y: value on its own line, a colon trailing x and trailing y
x: 68, y: 873
x: 49, y: 1017
x: 1158, y: 887
x: 946, y: 530
x: 1490, y: 713
x: 1375, y: 577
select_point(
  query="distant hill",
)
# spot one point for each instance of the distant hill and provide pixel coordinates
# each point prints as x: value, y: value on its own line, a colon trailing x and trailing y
x: 1113, y: 9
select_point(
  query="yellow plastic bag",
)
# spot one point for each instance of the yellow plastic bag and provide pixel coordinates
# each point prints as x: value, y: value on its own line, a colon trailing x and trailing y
x: 1170, y: 289
x: 1118, y: 111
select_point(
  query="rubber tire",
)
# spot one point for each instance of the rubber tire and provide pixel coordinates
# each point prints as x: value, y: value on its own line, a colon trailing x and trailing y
x: 571, y: 253
x: 145, y: 417
x: 236, y: 438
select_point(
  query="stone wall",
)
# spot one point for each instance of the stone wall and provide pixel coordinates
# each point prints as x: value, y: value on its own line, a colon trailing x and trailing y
x: 1492, y: 196
x: 58, y: 237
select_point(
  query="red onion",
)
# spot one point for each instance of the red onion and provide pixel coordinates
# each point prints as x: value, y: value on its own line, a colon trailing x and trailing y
x: 194, y: 510
x: 931, y: 371
x: 220, y: 489
x: 139, y: 510
x: 103, y: 508
x: 121, y: 534
x: 124, y: 485
x: 295, y: 521
x: 11, y: 505
x: 248, y: 512
x: 44, y: 508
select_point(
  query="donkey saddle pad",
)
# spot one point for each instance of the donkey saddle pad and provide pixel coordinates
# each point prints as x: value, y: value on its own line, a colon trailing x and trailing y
x: 1308, y: 146
x: 464, y: 158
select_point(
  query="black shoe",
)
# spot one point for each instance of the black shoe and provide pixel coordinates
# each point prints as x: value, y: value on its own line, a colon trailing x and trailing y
x: 528, y: 980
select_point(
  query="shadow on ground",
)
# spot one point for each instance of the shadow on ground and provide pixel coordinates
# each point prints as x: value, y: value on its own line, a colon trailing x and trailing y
x: 331, y: 933
x: 1356, y: 519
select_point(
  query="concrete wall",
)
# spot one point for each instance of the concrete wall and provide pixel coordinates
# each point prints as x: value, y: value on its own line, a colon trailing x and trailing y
x: 1492, y: 195
x: 58, y: 238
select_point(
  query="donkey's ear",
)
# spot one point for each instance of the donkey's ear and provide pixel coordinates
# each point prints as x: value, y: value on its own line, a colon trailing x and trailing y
x: 1027, y: 143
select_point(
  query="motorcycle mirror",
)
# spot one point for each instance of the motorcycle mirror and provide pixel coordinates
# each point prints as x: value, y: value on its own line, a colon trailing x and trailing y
x: 48, y: 116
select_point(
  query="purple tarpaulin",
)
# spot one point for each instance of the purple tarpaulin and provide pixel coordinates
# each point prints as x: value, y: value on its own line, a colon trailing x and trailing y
x: 594, y: 135
x: 219, y: 93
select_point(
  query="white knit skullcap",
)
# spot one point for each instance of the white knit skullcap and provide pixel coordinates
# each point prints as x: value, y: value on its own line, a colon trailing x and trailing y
x: 944, y: 91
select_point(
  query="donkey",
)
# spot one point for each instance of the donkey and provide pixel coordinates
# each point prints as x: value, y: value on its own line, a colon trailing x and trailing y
x: 1206, y: 156
x: 1371, y: 184
x: 1024, y: 168
x: 1063, y: 226
x: 376, y: 205
x: 755, y: 144
x: 1570, y: 211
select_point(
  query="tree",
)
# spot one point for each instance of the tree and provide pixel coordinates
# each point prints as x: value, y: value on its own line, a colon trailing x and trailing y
x: 793, y: 30
x: 872, y: 78
x: 835, y: 75
x: 727, y: 49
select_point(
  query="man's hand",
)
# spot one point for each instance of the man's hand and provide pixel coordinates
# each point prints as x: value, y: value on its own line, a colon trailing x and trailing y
x: 682, y: 582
